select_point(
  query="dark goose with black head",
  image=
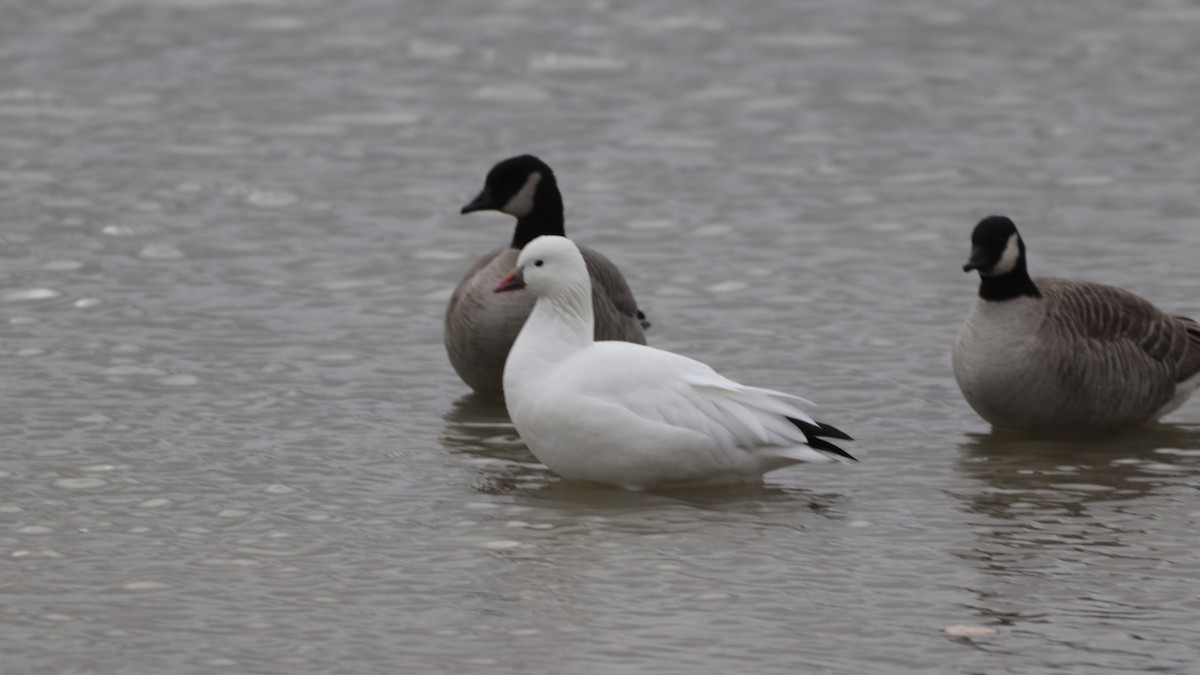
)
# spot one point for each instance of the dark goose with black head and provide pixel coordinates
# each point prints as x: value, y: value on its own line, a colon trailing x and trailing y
x: 1049, y: 354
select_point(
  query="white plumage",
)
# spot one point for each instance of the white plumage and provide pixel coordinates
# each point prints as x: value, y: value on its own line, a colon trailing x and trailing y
x: 631, y: 415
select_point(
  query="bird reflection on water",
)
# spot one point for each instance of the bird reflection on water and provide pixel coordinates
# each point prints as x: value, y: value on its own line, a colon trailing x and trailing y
x: 1064, y: 474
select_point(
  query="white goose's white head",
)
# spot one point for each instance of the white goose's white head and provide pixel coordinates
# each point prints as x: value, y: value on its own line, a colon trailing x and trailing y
x: 550, y: 266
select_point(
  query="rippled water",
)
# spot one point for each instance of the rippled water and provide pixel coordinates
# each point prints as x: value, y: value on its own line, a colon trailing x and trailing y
x: 231, y: 440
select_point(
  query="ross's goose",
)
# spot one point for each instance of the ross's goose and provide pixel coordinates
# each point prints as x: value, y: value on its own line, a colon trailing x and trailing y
x: 631, y: 415
x: 1049, y: 354
x: 480, y: 326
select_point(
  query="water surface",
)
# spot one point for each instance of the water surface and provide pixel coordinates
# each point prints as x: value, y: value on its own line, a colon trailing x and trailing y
x: 232, y: 443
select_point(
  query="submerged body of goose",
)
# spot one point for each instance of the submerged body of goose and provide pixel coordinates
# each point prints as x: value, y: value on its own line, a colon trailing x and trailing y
x: 631, y: 415
x: 480, y: 326
x: 1049, y: 354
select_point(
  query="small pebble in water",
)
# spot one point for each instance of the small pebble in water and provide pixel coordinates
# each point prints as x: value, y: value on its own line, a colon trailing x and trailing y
x: 79, y: 483
x: 499, y: 544
x: 23, y: 295
x: 964, y: 630
x: 145, y: 586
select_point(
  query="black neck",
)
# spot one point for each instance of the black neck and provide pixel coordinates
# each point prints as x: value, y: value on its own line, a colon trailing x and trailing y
x: 546, y: 216
x: 1012, y: 285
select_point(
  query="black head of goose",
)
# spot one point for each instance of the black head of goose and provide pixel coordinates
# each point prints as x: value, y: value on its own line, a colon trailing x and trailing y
x: 480, y: 326
x: 1049, y: 354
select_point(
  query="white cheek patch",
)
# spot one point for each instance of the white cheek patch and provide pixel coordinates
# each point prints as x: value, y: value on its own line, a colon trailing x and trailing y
x: 522, y: 203
x: 1008, y: 260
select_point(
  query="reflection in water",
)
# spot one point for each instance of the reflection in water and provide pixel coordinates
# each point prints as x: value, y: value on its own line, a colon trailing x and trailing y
x: 746, y: 498
x: 479, y: 427
x: 1069, y: 529
x: 1065, y: 474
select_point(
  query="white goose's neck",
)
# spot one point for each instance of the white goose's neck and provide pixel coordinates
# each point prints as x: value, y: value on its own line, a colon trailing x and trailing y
x: 559, y: 326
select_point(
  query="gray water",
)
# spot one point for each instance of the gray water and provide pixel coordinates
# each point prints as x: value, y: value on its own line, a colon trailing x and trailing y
x: 231, y: 441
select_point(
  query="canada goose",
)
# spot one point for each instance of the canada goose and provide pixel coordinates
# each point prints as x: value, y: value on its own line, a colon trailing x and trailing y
x: 480, y: 326
x: 632, y: 415
x: 1056, y: 355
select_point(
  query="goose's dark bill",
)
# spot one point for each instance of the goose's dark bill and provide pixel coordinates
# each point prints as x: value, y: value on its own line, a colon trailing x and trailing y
x: 996, y: 247
x: 978, y: 260
x: 513, y: 281
x: 482, y: 202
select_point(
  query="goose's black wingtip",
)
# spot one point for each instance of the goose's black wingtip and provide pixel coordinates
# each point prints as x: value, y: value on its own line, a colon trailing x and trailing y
x: 813, y: 434
x: 830, y: 431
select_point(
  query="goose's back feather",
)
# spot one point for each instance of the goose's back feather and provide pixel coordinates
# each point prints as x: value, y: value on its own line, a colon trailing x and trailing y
x: 616, y: 311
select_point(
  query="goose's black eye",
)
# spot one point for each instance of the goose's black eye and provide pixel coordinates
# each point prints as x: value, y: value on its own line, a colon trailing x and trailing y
x: 538, y: 263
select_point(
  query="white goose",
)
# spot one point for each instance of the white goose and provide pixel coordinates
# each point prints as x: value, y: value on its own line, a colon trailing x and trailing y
x: 631, y: 415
